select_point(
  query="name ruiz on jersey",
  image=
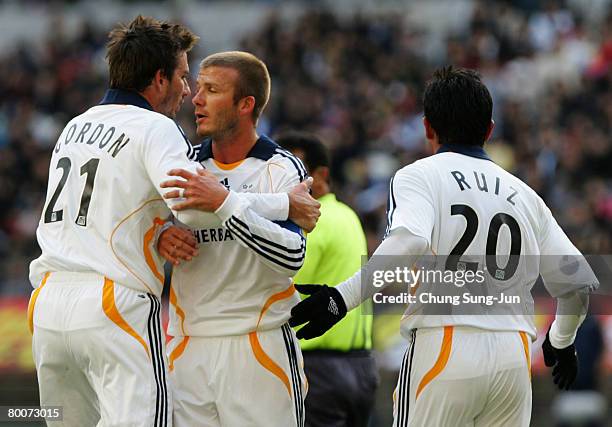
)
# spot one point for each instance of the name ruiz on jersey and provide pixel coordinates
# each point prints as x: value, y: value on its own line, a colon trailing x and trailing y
x: 99, y: 136
x: 481, y: 183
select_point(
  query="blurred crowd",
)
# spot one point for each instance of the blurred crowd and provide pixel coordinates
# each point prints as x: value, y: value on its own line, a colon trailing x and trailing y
x: 356, y: 81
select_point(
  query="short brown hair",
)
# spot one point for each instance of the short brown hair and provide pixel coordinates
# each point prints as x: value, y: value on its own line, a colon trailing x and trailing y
x: 253, y: 80
x: 137, y: 50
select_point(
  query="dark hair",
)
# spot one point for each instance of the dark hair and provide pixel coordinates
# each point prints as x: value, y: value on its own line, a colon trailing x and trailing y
x: 253, y: 80
x: 137, y: 50
x: 315, y: 153
x: 458, y: 106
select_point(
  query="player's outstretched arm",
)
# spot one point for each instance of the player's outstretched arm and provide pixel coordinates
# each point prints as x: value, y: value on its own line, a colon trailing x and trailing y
x: 326, y: 306
x: 322, y: 310
x: 297, y: 205
x: 202, y: 191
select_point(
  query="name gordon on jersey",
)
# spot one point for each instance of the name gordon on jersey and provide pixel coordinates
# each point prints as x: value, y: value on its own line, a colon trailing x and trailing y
x: 100, y: 135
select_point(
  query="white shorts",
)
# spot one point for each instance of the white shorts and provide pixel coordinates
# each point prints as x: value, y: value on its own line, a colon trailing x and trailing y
x: 99, y: 352
x: 243, y: 380
x: 462, y: 376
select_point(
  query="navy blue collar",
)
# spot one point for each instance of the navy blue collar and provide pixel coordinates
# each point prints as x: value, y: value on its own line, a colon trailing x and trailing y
x: 467, y: 150
x: 121, y: 96
x: 263, y: 149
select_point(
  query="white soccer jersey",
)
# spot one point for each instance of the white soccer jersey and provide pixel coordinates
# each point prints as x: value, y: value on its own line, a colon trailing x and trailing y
x: 104, y: 204
x: 468, y: 207
x: 241, y: 279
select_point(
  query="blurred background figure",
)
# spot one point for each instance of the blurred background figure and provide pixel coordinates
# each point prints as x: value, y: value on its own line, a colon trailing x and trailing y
x: 340, y: 368
x: 351, y: 72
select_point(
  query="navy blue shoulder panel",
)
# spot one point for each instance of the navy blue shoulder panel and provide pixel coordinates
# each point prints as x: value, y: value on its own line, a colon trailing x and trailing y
x: 263, y: 149
x: 205, y: 150
x: 467, y: 150
x: 290, y: 225
x: 191, y: 150
x: 125, y: 97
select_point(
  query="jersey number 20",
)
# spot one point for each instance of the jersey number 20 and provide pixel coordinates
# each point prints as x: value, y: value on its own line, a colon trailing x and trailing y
x: 492, y: 236
x: 90, y: 168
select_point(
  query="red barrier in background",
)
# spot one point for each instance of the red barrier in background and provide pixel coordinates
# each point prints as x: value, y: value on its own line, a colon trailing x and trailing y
x: 16, y: 342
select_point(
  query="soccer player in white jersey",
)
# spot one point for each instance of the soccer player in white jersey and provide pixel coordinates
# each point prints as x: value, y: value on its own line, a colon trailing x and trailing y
x: 462, y: 368
x: 234, y: 361
x: 95, y: 313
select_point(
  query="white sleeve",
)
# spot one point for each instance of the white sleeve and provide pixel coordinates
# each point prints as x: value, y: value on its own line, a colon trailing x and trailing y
x: 400, y: 242
x: 410, y: 204
x: 563, y: 268
x: 567, y: 276
x: 273, y: 206
x: 166, y: 148
x: 279, y: 244
x: 571, y: 311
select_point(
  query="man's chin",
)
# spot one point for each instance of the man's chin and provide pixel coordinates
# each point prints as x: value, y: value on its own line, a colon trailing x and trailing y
x: 203, y: 132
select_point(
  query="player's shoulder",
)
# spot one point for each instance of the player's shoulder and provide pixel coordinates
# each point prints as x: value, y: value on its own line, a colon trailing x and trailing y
x: 278, y: 158
x: 520, y: 185
x: 419, y: 169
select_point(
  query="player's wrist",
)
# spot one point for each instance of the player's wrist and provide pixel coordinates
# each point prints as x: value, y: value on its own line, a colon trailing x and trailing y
x: 557, y: 340
x: 339, y: 299
x: 228, y: 206
x: 343, y: 289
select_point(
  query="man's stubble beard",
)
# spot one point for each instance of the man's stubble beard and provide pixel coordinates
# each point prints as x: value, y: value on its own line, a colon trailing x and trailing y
x: 228, y: 126
x: 168, y: 108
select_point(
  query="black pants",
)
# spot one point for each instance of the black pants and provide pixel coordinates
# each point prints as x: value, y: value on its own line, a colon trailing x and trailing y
x: 341, y: 388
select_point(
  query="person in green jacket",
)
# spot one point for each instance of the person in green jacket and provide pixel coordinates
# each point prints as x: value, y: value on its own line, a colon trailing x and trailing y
x: 339, y: 366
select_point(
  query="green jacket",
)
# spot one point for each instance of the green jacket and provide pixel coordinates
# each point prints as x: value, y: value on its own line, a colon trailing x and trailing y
x: 334, y: 251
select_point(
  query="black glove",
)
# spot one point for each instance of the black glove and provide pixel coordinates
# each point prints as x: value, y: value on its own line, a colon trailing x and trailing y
x: 565, y: 362
x: 323, y: 309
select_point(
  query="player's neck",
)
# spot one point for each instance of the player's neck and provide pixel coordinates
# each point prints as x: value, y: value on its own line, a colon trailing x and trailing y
x: 434, y: 144
x: 234, y: 147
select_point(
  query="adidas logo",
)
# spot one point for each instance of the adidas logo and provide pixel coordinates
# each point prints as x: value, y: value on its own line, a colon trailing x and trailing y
x: 332, y: 307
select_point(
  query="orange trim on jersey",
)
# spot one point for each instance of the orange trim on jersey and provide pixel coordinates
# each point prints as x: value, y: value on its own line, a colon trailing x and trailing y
x: 32, y: 302
x: 179, y: 311
x: 180, y: 349
x: 146, y: 248
x: 261, y: 356
x: 445, y: 350
x: 177, y: 352
x: 523, y: 336
x: 265, y: 361
x: 228, y: 166
x: 274, y: 298
x: 270, y: 175
x: 110, y: 241
x: 110, y: 309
